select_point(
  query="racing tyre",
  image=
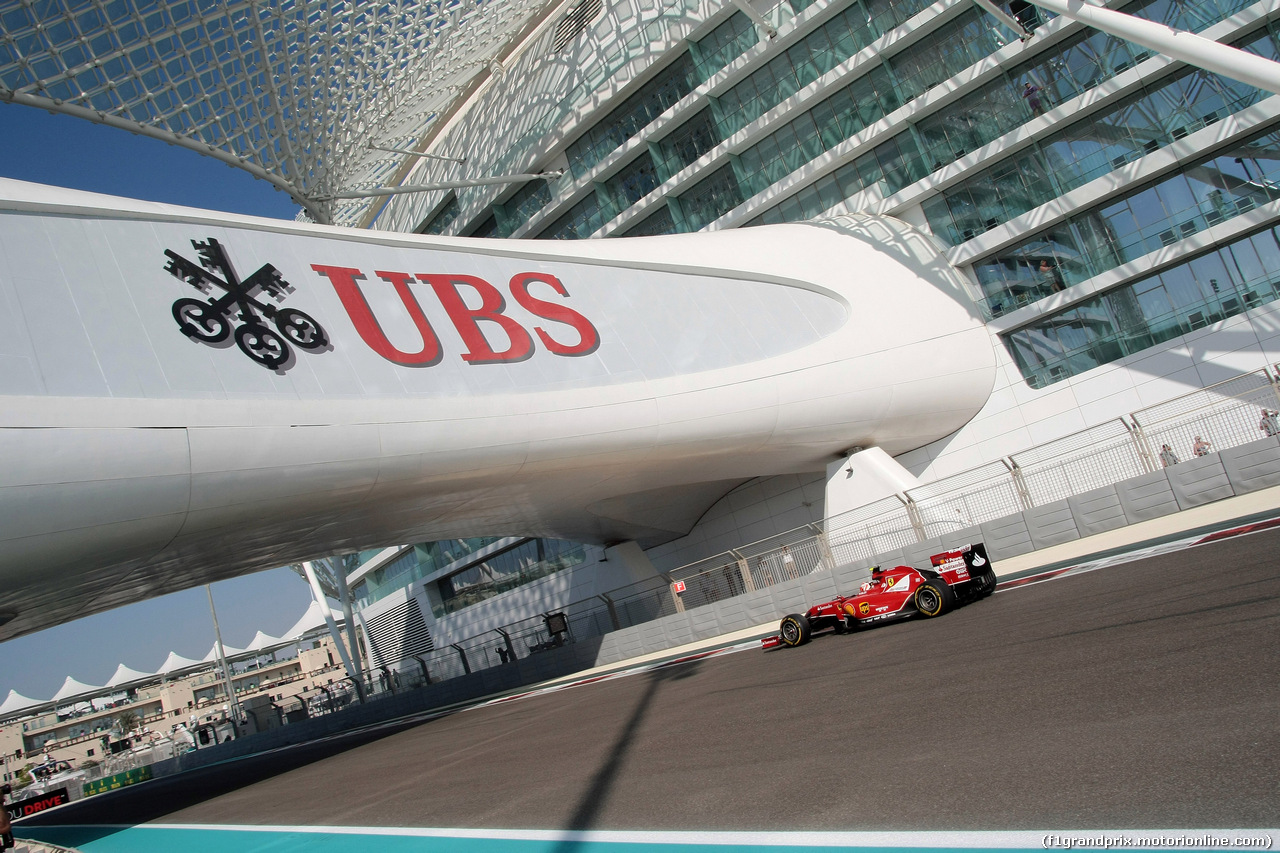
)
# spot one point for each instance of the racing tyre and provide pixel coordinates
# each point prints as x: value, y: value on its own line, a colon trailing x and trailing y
x: 795, y: 630
x: 985, y: 584
x: 933, y: 598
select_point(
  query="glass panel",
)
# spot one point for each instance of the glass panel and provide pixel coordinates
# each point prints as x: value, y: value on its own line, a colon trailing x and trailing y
x: 443, y: 218
x: 1142, y: 314
x: 711, y: 198
x: 632, y: 115
x: 689, y: 142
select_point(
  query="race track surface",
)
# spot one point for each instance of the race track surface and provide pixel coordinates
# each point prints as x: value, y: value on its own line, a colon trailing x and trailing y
x: 1141, y: 695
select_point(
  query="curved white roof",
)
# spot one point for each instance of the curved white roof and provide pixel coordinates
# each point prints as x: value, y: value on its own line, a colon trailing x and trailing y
x: 312, y: 621
x: 176, y: 663
x: 15, y: 702
x: 226, y: 650
x: 294, y: 92
x: 72, y: 688
x: 124, y: 675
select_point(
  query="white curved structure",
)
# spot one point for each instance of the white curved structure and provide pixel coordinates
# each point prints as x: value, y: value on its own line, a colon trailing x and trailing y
x: 159, y: 433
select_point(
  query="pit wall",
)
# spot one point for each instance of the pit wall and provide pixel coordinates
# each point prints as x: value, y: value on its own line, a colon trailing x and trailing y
x: 1236, y: 471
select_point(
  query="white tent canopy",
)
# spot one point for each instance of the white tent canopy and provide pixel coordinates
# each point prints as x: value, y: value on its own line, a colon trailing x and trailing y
x: 212, y: 656
x: 15, y: 702
x: 175, y: 663
x: 72, y: 688
x: 312, y: 621
x: 124, y: 675
x: 263, y: 643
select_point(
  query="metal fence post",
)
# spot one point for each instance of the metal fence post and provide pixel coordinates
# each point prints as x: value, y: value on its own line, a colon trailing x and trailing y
x: 1019, y: 484
x: 426, y: 674
x: 462, y: 655
x: 744, y: 570
x: 1141, y: 443
x: 675, y: 596
x: 613, y: 611
x: 913, y: 515
x: 828, y: 559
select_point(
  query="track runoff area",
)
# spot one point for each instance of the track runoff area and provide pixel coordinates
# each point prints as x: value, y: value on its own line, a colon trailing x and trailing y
x: 1126, y: 702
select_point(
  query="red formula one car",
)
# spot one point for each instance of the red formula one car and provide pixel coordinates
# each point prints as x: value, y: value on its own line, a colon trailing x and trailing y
x: 902, y: 592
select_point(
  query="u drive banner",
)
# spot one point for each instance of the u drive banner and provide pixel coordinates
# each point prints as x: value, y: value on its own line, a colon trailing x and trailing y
x: 27, y: 806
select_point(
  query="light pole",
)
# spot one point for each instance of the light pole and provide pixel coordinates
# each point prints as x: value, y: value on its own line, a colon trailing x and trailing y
x: 222, y: 659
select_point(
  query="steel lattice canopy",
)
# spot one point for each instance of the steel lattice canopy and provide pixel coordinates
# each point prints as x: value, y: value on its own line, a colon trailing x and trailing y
x: 293, y: 92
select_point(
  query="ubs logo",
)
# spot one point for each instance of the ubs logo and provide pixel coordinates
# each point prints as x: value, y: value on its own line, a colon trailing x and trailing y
x: 238, y: 311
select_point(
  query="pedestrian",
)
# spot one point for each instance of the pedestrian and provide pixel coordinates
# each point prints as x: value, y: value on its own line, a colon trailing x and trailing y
x: 1031, y: 93
x: 1269, y: 425
x: 788, y: 564
x: 1167, y: 456
x: 1053, y: 275
x: 1201, y: 447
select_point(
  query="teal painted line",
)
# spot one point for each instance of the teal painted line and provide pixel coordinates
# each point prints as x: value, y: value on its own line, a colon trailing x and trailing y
x: 155, y: 838
x: 207, y: 840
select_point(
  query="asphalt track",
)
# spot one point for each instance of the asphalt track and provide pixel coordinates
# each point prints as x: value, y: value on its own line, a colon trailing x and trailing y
x: 1141, y: 695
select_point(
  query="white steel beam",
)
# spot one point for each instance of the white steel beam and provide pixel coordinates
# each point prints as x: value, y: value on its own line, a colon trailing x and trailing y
x: 1005, y: 18
x: 1178, y: 44
x: 318, y: 595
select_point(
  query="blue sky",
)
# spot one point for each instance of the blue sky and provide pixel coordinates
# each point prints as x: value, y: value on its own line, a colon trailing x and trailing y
x: 51, y: 149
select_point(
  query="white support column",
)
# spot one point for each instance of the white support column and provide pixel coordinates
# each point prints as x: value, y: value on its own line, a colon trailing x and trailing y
x: 634, y: 560
x: 222, y: 661
x: 318, y: 595
x: 864, y: 477
x: 348, y: 614
x: 1177, y: 44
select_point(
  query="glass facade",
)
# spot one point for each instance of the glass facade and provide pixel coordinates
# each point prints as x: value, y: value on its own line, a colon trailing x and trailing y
x: 1129, y: 319
x: 635, y: 113
x: 1214, y: 188
x: 1141, y: 124
x: 1198, y: 196
x: 414, y: 564
x: 529, y: 561
x: 981, y: 117
x: 522, y: 206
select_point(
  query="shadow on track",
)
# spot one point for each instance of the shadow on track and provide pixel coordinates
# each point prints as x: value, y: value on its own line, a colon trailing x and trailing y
x: 601, y: 784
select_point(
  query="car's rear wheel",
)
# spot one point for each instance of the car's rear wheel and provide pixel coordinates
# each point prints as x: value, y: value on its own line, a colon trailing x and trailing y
x: 933, y: 598
x: 986, y: 583
x: 795, y: 630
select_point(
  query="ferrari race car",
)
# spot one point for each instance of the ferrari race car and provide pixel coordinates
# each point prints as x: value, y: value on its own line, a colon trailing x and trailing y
x: 957, y: 577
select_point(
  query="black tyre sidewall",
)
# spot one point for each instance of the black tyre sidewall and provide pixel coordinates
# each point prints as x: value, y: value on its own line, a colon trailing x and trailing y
x: 929, y: 590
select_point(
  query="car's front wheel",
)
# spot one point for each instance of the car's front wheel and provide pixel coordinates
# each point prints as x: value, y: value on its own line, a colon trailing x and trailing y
x: 795, y: 630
